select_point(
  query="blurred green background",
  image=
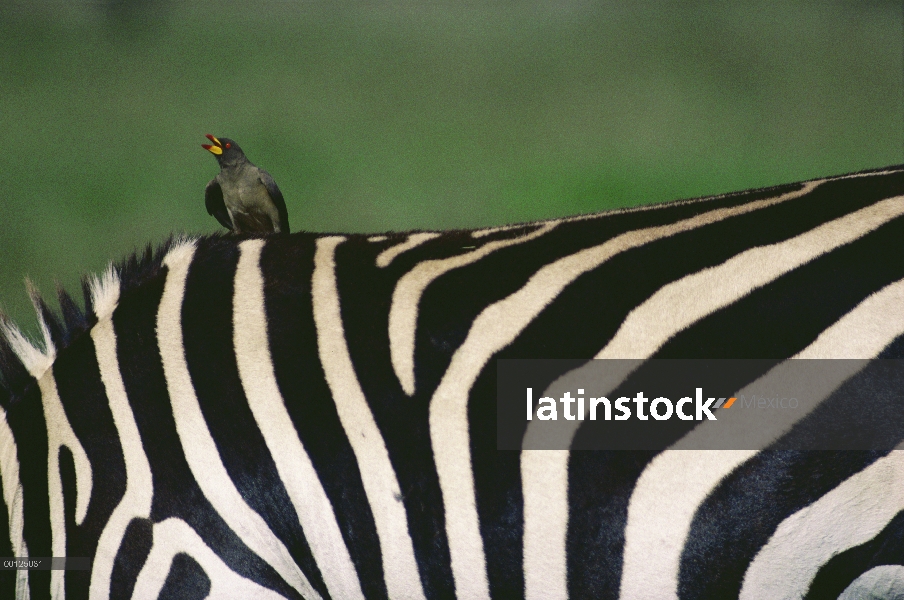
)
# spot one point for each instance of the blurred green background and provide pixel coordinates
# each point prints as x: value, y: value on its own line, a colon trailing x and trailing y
x: 398, y: 115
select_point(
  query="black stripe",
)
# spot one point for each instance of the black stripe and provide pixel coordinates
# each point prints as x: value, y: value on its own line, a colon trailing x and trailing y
x: 133, y: 552
x: 15, y: 380
x: 26, y: 419
x: 895, y: 350
x: 599, y: 489
x: 186, y: 580
x: 500, y: 504
x: 841, y: 570
x: 7, y: 578
x: 58, y: 333
x: 73, y: 317
x: 76, y: 585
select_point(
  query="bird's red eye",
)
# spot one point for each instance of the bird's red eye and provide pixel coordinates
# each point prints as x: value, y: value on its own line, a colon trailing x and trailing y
x: 228, y: 145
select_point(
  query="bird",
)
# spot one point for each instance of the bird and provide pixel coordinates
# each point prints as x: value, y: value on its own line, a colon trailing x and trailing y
x: 243, y: 197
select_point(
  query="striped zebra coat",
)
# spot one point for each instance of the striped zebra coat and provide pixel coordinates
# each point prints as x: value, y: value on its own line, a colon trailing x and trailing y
x: 313, y: 416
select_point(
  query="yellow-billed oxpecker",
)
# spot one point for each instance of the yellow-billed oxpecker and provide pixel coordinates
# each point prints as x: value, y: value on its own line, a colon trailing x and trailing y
x: 243, y: 198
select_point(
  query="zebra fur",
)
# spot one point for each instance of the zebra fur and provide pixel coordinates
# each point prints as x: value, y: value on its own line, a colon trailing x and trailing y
x: 314, y: 416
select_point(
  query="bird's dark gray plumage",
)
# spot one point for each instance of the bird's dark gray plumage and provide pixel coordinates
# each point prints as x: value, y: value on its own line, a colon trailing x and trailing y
x: 243, y: 198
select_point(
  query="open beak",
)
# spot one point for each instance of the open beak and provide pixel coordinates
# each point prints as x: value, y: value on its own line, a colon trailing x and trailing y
x: 216, y: 148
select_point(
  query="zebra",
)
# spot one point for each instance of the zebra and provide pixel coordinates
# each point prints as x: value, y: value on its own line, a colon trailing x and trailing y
x: 313, y: 416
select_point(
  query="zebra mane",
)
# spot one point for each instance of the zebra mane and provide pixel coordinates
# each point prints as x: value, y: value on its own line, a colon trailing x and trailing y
x: 22, y: 360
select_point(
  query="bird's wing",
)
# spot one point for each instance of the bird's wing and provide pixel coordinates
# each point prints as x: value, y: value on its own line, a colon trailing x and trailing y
x: 277, y: 198
x: 213, y: 200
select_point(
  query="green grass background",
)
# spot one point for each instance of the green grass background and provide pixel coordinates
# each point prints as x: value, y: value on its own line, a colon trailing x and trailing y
x: 398, y: 115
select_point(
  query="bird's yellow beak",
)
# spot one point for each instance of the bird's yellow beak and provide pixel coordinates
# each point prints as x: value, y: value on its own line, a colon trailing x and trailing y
x: 216, y: 148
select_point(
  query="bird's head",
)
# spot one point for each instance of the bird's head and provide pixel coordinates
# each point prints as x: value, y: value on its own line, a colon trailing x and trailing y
x: 226, y: 151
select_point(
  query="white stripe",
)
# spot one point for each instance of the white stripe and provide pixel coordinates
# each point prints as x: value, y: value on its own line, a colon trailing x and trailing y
x: 872, y: 174
x: 496, y: 327
x: 59, y: 434
x: 479, y: 233
x: 884, y: 581
x: 380, y: 483
x: 198, y: 446
x: 677, y: 305
x: 252, y: 349
x: 407, y: 296
x: 104, y: 292
x: 136, y: 502
x: 173, y: 536
x: 866, y: 330
x: 849, y: 515
x: 414, y: 240
x: 545, y: 526
x: 675, y: 483
x: 35, y: 360
x: 12, y: 496
x: 546, y: 522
